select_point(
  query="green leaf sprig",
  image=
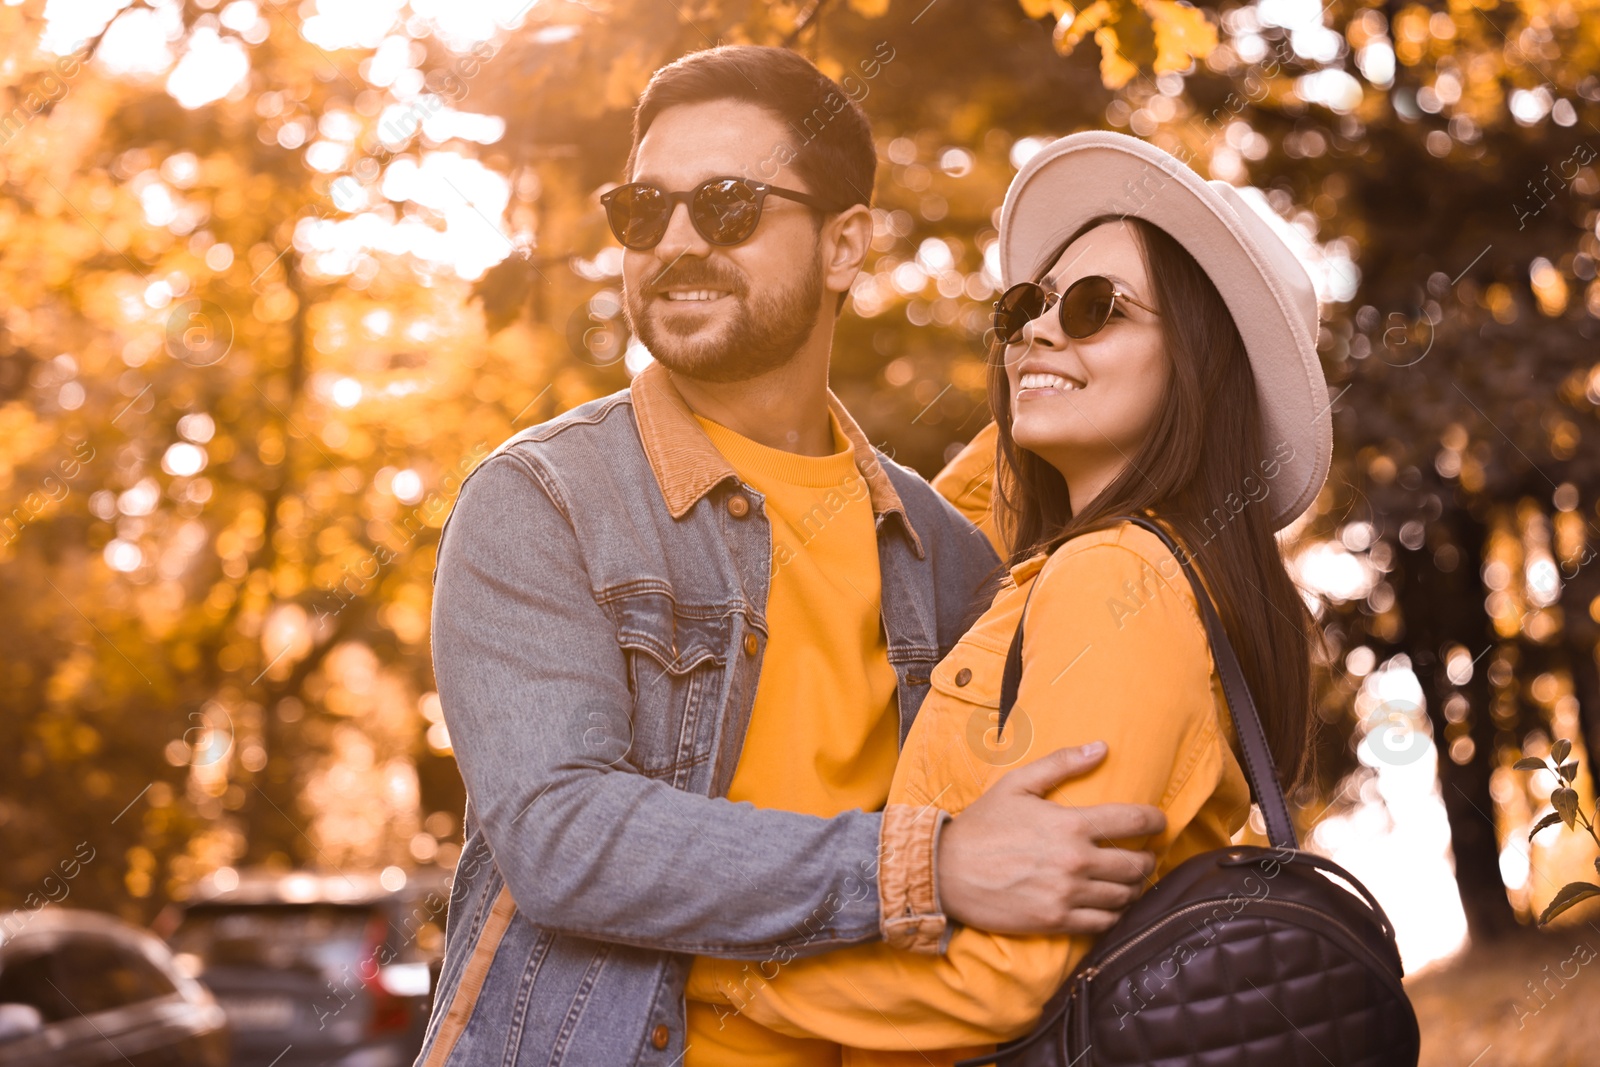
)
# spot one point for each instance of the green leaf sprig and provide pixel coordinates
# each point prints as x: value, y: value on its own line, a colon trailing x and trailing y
x: 1564, y: 798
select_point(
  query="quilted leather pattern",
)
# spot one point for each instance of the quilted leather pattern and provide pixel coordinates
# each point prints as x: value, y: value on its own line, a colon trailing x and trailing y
x: 1240, y: 957
x: 1231, y: 1002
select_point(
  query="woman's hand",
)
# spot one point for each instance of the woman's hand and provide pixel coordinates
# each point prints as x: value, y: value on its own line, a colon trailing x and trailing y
x: 1014, y: 862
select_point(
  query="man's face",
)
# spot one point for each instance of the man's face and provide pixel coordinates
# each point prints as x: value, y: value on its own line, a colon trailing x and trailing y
x: 713, y: 312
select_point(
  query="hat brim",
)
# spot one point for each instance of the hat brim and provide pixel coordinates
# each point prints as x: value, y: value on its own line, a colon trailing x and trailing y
x: 1098, y: 172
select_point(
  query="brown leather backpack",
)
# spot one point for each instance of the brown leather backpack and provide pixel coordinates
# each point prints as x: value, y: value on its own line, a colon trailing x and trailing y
x: 1239, y: 956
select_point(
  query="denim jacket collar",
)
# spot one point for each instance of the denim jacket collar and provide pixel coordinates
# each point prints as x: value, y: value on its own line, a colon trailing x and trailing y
x: 687, y: 465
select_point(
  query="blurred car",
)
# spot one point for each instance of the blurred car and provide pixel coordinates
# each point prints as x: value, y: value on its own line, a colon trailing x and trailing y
x: 318, y: 970
x: 80, y: 988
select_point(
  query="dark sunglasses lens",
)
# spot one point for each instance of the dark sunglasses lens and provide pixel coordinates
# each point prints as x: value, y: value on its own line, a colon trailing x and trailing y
x: 1085, y: 306
x: 1018, y: 306
x: 726, y: 211
x: 638, y: 216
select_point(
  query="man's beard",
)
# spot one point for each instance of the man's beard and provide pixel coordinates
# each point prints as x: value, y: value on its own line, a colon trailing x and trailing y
x: 765, y: 332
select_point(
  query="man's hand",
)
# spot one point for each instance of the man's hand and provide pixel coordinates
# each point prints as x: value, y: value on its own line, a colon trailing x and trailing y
x: 1014, y: 862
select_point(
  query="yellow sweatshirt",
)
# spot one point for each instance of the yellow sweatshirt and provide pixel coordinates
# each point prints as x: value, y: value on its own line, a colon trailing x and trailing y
x: 1115, y: 651
x: 824, y: 730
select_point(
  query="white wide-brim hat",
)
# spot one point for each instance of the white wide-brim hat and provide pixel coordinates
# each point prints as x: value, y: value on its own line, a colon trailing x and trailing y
x: 1266, y: 287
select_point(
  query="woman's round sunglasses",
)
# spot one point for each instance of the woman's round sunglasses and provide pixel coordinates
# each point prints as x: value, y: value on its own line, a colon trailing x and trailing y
x: 1084, y: 308
x: 724, y: 211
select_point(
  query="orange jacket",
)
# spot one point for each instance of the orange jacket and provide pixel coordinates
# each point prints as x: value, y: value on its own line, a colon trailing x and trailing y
x: 1115, y: 651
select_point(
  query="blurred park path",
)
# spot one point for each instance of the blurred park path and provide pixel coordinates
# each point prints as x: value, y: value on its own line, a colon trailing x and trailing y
x: 1509, y: 1006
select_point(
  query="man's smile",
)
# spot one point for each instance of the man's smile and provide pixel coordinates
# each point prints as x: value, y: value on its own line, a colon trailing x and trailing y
x: 696, y: 297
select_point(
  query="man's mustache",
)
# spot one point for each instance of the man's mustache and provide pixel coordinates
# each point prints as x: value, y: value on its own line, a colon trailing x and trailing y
x: 697, y: 274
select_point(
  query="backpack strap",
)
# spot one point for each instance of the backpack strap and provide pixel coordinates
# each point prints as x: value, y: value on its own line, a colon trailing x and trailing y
x: 1258, y: 765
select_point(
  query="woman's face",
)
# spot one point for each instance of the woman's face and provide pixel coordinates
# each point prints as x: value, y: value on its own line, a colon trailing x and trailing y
x: 1085, y: 405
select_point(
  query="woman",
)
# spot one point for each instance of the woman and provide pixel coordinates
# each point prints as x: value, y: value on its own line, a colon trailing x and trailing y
x: 1176, y: 377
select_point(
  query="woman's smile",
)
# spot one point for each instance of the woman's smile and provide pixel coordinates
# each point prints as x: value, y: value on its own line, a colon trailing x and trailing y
x: 1036, y: 384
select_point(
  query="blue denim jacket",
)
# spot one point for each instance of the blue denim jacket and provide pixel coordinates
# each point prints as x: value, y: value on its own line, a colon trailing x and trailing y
x: 599, y: 620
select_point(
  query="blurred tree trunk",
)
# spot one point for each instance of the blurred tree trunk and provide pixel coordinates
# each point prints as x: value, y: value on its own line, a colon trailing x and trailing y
x: 1586, y: 686
x: 1442, y: 608
x: 272, y: 818
x: 1582, y: 634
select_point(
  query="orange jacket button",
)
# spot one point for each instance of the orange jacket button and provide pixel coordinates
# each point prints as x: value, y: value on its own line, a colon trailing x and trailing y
x: 750, y: 644
x: 963, y: 676
x: 659, y: 1036
x: 738, y: 505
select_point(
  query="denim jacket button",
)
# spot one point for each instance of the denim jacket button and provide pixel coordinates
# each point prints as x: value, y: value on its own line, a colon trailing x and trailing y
x: 738, y: 505
x: 659, y: 1036
x: 750, y: 644
x: 963, y: 676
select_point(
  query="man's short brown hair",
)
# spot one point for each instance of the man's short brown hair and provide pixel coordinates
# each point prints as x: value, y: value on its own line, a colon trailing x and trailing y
x: 830, y: 147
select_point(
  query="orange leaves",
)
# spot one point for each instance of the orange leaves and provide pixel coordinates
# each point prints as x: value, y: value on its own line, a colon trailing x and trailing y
x: 1411, y: 36
x: 1549, y: 287
x: 1038, y: 9
x: 1158, y: 35
x: 1069, y: 31
x: 1115, y: 69
x: 870, y: 9
x: 627, y: 77
x: 1182, y: 33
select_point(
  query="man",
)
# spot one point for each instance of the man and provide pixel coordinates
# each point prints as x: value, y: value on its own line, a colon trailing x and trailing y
x: 680, y: 634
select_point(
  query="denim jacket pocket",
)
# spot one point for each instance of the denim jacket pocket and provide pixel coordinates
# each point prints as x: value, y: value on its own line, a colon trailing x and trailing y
x: 677, y: 664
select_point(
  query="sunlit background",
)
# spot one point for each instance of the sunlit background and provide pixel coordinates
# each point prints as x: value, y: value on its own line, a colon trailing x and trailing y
x: 277, y: 276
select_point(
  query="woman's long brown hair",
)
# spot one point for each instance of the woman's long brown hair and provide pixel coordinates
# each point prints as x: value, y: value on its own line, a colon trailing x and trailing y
x: 1205, y: 471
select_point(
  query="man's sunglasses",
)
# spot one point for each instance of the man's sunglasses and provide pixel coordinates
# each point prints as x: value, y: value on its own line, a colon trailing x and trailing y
x: 1084, y: 308
x: 724, y: 211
